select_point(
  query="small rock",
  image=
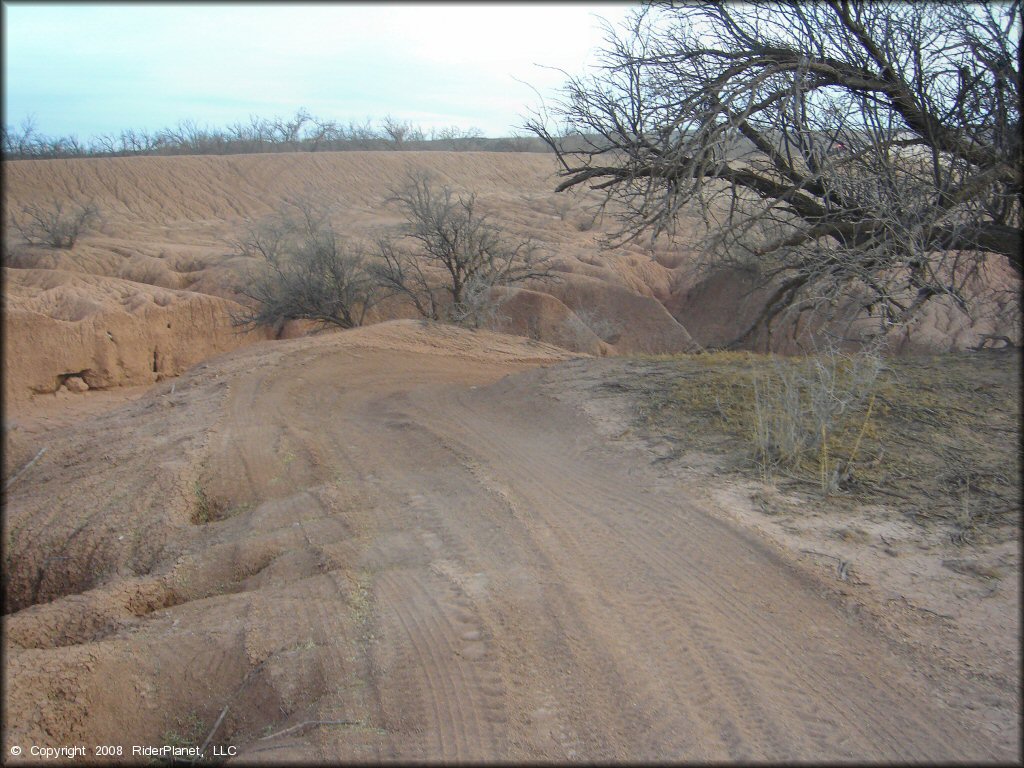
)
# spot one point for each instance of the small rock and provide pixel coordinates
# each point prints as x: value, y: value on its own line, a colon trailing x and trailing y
x: 76, y: 384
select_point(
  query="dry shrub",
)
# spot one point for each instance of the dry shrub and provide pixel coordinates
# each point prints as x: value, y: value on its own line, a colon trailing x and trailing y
x: 454, y: 256
x: 305, y: 272
x: 813, y: 412
x: 55, y: 224
x: 934, y: 438
x: 479, y: 306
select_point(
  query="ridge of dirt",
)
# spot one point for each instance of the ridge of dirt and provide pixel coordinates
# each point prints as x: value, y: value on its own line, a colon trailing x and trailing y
x: 412, y: 542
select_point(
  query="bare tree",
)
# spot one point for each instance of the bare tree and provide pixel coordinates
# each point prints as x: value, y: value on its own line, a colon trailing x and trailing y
x: 455, y: 138
x: 305, y: 273
x: 449, y: 137
x: 287, y: 131
x: 323, y: 131
x: 104, y: 144
x: 401, y: 131
x: 136, y: 142
x: 459, y: 254
x: 362, y: 135
x: 401, y: 272
x: 839, y: 148
x: 252, y: 137
x: 21, y: 142
x: 56, y: 224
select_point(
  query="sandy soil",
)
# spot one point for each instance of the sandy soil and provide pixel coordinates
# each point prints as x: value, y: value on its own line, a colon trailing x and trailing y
x: 422, y: 543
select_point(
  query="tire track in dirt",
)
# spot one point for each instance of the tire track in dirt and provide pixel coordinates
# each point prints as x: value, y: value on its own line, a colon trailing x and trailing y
x: 445, y: 675
x: 279, y: 460
x: 667, y: 733
x: 719, y: 613
x: 315, y: 433
x: 397, y: 418
x: 392, y: 471
x: 474, y: 533
x: 444, y: 697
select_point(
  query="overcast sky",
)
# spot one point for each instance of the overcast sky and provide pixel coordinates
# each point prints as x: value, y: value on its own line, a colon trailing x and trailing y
x: 93, y: 68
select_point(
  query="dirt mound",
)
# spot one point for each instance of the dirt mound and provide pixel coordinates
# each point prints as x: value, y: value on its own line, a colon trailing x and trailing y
x: 538, y: 315
x: 438, y: 339
x: 63, y: 327
x: 628, y: 322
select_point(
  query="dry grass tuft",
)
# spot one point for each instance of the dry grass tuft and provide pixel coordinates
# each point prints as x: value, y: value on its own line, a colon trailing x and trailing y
x: 936, y: 436
x: 206, y: 508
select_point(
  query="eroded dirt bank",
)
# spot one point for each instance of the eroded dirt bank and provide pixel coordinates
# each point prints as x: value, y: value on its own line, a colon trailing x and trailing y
x: 400, y: 543
x: 151, y: 290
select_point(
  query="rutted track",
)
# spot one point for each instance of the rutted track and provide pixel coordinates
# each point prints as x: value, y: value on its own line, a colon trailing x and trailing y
x: 428, y: 561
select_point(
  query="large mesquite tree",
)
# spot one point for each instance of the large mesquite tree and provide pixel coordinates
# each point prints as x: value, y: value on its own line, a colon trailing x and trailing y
x: 840, y: 148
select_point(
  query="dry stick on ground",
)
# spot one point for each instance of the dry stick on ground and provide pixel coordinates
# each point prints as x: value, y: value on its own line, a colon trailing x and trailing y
x: 306, y: 724
x: 245, y: 682
x: 842, y: 569
x: 25, y: 468
x: 234, y: 696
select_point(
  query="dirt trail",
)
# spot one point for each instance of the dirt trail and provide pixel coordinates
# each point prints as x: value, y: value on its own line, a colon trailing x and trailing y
x: 425, y: 558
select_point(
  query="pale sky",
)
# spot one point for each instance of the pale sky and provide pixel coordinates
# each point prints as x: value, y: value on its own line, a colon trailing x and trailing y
x: 90, y: 68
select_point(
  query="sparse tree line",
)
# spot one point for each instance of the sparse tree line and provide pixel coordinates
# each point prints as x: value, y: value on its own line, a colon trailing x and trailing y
x: 301, y: 132
x: 446, y: 263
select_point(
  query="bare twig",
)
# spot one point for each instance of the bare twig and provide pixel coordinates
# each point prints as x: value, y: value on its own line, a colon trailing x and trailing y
x: 307, y: 724
x: 25, y: 468
x: 216, y: 726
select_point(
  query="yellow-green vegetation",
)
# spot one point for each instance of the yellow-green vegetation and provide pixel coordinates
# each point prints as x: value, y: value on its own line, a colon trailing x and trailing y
x: 205, y: 508
x: 188, y: 732
x: 936, y: 436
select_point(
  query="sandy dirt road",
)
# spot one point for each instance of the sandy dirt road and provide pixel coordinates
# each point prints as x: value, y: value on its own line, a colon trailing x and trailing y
x: 429, y: 556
